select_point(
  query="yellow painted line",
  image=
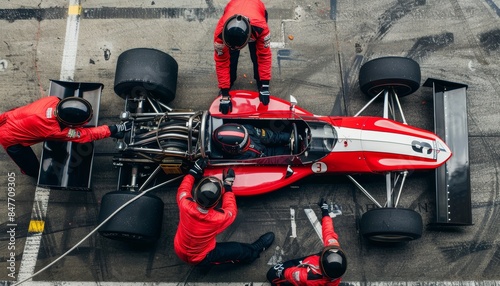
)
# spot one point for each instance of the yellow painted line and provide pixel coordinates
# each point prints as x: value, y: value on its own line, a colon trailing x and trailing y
x: 75, y: 10
x: 36, y: 226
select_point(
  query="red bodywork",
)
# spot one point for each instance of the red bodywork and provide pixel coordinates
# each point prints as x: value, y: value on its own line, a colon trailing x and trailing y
x: 352, y: 145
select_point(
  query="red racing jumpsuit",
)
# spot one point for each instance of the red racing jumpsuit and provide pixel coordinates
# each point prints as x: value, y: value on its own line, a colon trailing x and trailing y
x: 36, y: 122
x: 198, y: 227
x: 306, y: 271
x: 260, y: 40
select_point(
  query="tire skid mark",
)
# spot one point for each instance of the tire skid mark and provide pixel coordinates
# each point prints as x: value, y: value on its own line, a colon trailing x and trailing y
x: 457, y: 251
x: 99, y: 261
x: 426, y: 45
x: 189, y: 14
x: 99, y: 265
x: 468, y: 33
x: 494, y: 263
x: 490, y: 41
x: 314, y: 66
x: 397, y: 12
x: 47, y: 249
x: 12, y: 15
x: 350, y: 81
x: 210, y: 5
x: 486, y: 236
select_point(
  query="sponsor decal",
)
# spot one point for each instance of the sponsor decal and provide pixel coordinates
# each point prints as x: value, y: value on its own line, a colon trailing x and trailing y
x: 72, y: 133
x: 267, y: 41
x: 219, y: 48
x: 49, y: 112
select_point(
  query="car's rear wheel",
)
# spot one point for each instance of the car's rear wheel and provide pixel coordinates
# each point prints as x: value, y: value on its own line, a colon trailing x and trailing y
x: 144, y: 71
x: 402, y: 75
x: 140, y: 221
x: 391, y: 225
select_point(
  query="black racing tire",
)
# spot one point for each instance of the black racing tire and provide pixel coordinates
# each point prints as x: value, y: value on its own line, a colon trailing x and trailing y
x: 391, y: 225
x: 139, y: 222
x: 146, y: 71
x: 397, y: 73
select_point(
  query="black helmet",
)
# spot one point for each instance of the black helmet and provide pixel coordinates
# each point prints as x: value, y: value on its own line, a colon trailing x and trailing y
x: 236, y: 32
x: 231, y: 138
x: 208, y: 192
x: 74, y: 111
x: 333, y: 262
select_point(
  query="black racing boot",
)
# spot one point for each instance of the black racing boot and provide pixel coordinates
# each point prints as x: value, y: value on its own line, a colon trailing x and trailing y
x: 263, y: 242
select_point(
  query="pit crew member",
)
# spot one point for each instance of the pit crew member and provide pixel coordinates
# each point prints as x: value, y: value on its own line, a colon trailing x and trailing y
x: 325, y: 268
x: 206, y: 212
x: 243, y: 22
x: 49, y: 118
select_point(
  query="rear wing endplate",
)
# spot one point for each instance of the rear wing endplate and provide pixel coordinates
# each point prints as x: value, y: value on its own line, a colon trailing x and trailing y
x: 453, y: 192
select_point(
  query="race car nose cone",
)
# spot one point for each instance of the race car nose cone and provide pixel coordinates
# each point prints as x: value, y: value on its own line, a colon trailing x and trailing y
x: 443, y: 152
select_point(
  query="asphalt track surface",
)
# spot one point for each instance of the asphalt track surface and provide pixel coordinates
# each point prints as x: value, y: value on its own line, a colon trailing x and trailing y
x: 318, y: 48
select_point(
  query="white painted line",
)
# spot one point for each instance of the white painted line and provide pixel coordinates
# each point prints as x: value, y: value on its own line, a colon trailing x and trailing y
x: 30, y: 255
x: 40, y: 205
x: 277, y: 45
x: 281, y: 45
x: 32, y: 246
x: 294, y: 224
x: 277, y: 256
x: 70, y: 43
x: 315, y: 222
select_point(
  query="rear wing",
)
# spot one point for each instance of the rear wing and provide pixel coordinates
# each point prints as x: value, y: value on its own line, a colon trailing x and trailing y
x: 453, y: 192
x: 68, y: 165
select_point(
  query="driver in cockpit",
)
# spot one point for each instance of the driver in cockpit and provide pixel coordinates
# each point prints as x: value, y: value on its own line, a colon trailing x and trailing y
x: 238, y: 141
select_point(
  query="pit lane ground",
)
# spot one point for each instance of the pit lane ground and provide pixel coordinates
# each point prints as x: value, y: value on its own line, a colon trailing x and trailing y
x: 318, y: 48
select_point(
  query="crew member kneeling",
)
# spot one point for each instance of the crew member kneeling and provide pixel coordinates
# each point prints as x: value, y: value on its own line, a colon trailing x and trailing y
x: 206, y: 212
x: 325, y: 268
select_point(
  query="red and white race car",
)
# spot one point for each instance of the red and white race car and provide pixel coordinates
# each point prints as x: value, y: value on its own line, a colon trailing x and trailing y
x: 164, y: 142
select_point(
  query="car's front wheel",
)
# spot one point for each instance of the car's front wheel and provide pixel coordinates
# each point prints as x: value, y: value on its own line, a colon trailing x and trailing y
x: 391, y: 225
x: 398, y: 74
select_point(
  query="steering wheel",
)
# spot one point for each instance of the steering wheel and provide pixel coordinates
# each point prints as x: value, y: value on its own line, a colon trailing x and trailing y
x: 294, y: 140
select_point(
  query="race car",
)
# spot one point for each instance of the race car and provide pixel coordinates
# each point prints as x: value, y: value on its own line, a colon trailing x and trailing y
x: 163, y: 143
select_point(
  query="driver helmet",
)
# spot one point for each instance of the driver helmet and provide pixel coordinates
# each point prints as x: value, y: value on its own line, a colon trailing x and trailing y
x: 231, y: 138
x: 333, y: 262
x: 73, y: 111
x: 208, y: 192
x: 236, y: 32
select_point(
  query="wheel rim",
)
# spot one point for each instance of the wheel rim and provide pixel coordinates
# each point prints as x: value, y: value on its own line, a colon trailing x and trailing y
x: 400, y: 89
